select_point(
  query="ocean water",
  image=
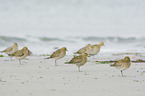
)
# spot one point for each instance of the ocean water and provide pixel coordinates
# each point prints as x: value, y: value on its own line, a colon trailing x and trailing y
x: 44, y: 25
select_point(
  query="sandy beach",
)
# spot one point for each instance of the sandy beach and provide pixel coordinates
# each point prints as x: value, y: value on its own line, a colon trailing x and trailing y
x: 45, y: 26
x: 40, y: 77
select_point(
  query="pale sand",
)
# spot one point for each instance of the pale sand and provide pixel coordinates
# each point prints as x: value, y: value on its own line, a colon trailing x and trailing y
x: 40, y: 77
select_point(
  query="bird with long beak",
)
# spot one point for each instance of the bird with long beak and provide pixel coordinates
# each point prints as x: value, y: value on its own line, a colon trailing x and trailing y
x: 78, y: 60
x: 58, y: 54
x: 122, y: 64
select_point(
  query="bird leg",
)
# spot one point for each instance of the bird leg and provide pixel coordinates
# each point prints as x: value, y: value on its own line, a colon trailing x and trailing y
x: 55, y: 63
x: 121, y: 73
x: 10, y: 58
x: 79, y: 68
x: 20, y: 61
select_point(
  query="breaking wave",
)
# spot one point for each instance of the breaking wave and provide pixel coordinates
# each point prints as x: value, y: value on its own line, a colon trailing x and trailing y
x: 8, y: 39
x: 114, y: 39
x: 45, y: 44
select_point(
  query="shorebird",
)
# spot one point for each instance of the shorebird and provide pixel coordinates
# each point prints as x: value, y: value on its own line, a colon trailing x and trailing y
x: 58, y: 54
x: 86, y: 49
x: 20, y: 54
x: 122, y: 64
x: 96, y: 48
x: 10, y: 50
x: 78, y: 60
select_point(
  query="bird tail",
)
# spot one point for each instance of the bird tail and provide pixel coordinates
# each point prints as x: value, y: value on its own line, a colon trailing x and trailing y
x: 67, y: 63
x: 10, y: 55
x: 112, y: 65
x: 47, y: 58
x: 91, y: 55
x: 29, y: 53
x: 75, y: 52
x: 1, y: 51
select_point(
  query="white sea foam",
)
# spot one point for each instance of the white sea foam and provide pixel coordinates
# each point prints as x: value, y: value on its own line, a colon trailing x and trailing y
x: 45, y: 45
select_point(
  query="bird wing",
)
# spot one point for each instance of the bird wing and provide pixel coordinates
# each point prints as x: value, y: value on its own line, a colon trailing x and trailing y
x: 8, y: 49
x: 18, y: 53
x: 118, y: 63
x: 56, y: 53
x: 76, y: 59
x: 82, y: 50
x: 97, y: 46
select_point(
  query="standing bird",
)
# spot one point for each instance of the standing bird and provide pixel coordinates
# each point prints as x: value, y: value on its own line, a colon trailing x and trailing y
x: 79, y: 60
x: 86, y: 49
x: 20, y: 54
x: 96, y: 48
x: 122, y: 64
x: 58, y: 54
x: 10, y: 50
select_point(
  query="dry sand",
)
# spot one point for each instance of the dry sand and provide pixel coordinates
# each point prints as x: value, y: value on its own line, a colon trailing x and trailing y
x: 40, y: 77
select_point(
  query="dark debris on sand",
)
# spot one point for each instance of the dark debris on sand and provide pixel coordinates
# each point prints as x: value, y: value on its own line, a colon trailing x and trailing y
x: 135, y: 54
x: 113, y: 61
